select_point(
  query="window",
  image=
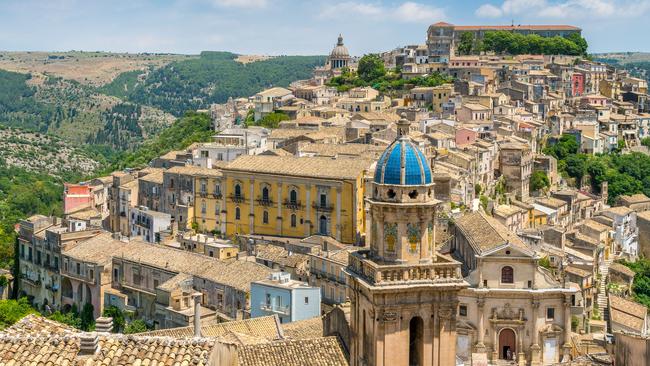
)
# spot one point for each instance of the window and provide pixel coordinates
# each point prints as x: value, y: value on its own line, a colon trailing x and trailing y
x: 507, y: 275
x: 265, y: 193
x: 91, y: 274
x: 203, y: 207
x: 530, y: 284
x: 78, y: 268
x: 116, y: 274
x: 217, y: 189
x: 237, y: 213
x: 211, y: 253
x: 265, y: 217
x: 550, y: 313
x: 293, y: 220
x: 204, y: 187
x: 462, y: 310
x: 237, y: 190
x: 306, y: 300
x: 323, y: 200
x: 293, y: 196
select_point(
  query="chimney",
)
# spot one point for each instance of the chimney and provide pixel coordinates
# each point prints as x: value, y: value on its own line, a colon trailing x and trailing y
x: 104, y: 324
x: 89, y: 344
x: 197, y: 313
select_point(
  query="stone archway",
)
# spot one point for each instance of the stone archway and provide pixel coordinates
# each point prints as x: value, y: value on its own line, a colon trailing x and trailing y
x: 507, y: 344
x: 416, y: 341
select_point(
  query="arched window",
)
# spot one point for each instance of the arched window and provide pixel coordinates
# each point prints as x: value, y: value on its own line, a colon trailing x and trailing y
x: 237, y: 213
x: 237, y: 190
x: 265, y: 217
x: 293, y: 220
x: 203, y: 207
x: 293, y: 196
x: 507, y: 275
x: 322, y: 227
x: 265, y: 193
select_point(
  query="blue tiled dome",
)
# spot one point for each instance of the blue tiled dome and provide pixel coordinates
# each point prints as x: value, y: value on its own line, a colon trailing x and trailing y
x: 403, y: 155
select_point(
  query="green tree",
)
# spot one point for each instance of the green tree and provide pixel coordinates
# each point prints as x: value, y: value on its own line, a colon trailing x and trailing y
x: 87, y: 320
x: 118, y: 317
x: 69, y: 318
x: 12, y: 311
x: 565, y: 146
x: 271, y: 120
x: 371, y: 67
x: 539, y: 180
x: 645, y: 142
x: 466, y: 43
x: 136, y: 326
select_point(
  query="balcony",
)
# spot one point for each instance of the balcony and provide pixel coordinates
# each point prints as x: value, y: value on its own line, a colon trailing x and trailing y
x: 272, y: 308
x: 292, y: 205
x: 442, y: 273
x: 264, y: 202
x: 321, y: 207
x: 237, y: 199
x: 217, y: 195
x: 203, y: 194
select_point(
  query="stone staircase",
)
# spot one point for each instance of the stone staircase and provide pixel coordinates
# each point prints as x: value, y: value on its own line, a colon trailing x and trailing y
x: 603, y: 269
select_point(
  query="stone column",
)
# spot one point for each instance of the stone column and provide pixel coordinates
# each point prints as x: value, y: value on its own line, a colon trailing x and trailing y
x: 495, y: 344
x: 308, y: 209
x: 567, y: 330
x: 338, y: 213
x: 224, y: 212
x: 535, y: 349
x: 251, y: 216
x: 521, y: 356
x: 424, y: 241
x: 278, y: 222
x: 447, y: 316
x: 480, y: 344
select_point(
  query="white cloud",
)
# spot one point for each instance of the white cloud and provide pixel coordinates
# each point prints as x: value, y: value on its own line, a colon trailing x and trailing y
x: 351, y: 8
x: 565, y: 8
x: 489, y: 11
x: 410, y: 11
x: 406, y: 12
x: 242, y: 3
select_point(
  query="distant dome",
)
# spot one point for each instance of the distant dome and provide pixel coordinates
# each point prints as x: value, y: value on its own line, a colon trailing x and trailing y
x: 340, y: 51
x: 402, y: 163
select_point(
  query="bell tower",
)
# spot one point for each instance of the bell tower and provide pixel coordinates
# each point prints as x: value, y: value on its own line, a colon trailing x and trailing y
x: 403, y: 294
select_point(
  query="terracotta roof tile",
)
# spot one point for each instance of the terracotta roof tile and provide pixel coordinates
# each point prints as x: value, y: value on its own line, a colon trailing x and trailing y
x: 325, y: 351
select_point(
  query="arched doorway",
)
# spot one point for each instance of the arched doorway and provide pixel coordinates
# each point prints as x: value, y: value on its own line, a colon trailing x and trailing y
x: 416, y: 341
x: 507, y: 342
x: 66, y: 288
x: 322, y: 227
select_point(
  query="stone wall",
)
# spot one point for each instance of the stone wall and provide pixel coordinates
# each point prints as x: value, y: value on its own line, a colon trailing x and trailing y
x: 631, y: 350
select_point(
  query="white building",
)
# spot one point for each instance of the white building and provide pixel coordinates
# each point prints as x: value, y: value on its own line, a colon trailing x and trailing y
x: 148, y: 224
x: 230, y: 144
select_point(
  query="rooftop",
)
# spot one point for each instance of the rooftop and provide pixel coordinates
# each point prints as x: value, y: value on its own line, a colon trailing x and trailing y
x: 315, y: 167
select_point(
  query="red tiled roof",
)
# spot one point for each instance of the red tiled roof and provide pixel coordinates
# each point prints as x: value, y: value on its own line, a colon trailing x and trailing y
x: 515, y: 27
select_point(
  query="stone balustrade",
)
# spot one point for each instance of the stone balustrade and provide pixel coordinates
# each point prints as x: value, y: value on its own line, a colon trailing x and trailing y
x: 392, y: 274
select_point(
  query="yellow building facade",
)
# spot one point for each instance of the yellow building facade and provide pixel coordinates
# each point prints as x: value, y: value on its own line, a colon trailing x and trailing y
x: 207, y: 200
x: 295, y: 197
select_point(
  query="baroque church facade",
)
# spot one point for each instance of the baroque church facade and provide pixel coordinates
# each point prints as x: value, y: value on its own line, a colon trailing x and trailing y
x: 412, y: 305
x: 403, y: 294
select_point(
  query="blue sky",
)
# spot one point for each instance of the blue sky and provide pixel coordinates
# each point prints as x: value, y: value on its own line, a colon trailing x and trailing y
x: 293, y: 26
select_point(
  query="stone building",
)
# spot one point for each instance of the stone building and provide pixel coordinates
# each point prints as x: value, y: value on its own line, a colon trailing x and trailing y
x: 516, y: 165
x: 403, y: 294
x: 513, y: 309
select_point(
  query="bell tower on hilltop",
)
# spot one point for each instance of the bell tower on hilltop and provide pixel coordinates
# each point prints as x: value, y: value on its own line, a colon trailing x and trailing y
x: 404, y: 295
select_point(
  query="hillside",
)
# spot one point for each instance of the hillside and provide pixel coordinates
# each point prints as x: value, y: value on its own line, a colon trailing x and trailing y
x: 74, y: 111
x: 212, y: 78
x: 89, y: 68
x: 40, y: 153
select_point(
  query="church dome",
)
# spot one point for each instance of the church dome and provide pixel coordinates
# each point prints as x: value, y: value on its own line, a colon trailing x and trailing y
x: 403, y: 164
x: 340, y: 51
